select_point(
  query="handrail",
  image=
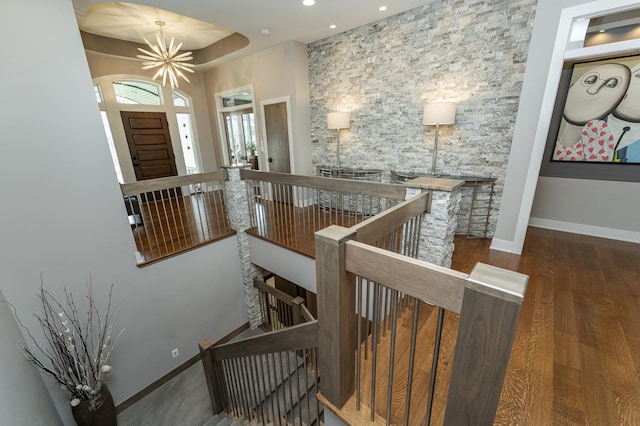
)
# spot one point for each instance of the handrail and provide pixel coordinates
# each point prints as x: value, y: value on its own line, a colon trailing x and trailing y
x: 445, y: 286
x: 158, y: 184
x: 297, y: 337
x: 280, y: 295
x: 374, y: 228
x: 376, y: 189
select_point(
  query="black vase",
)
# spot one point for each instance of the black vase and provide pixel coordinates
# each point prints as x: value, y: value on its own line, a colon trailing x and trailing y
x: 104, y: 413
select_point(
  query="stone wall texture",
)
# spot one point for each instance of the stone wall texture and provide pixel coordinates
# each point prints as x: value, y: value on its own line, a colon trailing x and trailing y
x: 471, y: 52
x: 236, y: 201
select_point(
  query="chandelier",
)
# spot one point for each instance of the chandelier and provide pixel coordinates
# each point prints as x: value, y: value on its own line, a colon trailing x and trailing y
x: 171, y: 65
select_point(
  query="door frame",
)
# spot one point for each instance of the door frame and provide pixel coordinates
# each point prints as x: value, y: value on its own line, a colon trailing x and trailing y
x: 224, y: 151
x: 264, y: 147
x: 113, y: 109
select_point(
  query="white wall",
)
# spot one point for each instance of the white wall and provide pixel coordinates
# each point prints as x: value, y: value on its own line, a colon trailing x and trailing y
x: 62, y: 214
x: 531, y: 125
x: 275, y: 73
x: 26, y: 400
x: 592, y: 207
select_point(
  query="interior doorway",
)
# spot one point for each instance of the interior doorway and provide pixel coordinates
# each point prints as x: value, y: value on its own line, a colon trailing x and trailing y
x: 149, y: 144
x: 277, y: 130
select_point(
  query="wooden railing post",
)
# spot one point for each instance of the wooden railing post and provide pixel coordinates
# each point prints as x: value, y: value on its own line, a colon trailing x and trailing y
x: 336, y: 315
x: 216, y: 388
x: 488, y: 320
x: 297, y: 310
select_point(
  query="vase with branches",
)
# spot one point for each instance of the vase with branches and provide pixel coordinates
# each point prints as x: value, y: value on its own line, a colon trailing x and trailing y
x: 76, y: 347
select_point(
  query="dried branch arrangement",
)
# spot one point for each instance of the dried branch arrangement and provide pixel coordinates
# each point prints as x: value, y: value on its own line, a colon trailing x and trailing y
x: 78, y: 344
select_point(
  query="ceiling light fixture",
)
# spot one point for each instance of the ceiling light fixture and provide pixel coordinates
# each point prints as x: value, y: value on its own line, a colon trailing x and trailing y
x: 308, y: 2
x: 332, y: 26
x: 382, y: 8
x: 167, y: 58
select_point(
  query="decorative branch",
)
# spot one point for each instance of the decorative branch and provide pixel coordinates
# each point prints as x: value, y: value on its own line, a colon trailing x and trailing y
x: 77, y: 345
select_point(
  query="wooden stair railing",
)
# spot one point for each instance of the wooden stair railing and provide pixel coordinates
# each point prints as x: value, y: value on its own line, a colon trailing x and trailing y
x: 272, y: 377
x: 488, y: 301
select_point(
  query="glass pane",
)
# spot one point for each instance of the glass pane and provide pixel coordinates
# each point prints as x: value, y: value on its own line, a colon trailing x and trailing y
x: 179, y: 100
x: 186, y: 141
x: 137, y: 92
x: 98, y: 92
x: 112, y: 146
x: 240, y: 98
x: 241, y: 135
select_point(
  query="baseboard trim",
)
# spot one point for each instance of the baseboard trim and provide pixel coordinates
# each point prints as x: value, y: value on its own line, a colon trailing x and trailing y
x: 155, y: 385
x: 505, y: 246
x: 173, y: 373
x: 593, y: 231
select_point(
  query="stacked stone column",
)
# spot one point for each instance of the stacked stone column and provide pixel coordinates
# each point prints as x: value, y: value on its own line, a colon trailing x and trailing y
x: 438, y: 227
x: 237, y: 203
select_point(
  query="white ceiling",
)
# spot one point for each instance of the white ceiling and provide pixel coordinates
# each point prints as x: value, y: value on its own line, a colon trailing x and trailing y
x: 285, y: 19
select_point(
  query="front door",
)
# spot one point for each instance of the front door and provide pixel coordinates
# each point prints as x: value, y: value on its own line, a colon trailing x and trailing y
x: 277, y: 132
x: 149, y: 144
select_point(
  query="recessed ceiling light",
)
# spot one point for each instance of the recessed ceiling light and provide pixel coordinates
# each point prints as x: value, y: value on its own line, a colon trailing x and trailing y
x: 382, y: 8
x: 332, y: 26
x: 265, y: 31
x: 308, y: 2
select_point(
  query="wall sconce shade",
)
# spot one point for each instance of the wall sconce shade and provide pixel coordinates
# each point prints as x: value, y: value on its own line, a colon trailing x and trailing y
x: 439, y: 113
x: 338, y: 120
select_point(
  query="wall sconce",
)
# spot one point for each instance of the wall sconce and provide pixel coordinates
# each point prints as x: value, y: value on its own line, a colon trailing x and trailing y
x: 338, y: 121
x: 436, y: 114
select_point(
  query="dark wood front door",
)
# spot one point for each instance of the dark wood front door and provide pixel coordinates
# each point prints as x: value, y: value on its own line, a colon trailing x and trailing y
x: 277, y: 128
x: 149, y: 144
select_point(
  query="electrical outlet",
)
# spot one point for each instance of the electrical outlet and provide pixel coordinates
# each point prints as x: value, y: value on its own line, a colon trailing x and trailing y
x: 175, y: 353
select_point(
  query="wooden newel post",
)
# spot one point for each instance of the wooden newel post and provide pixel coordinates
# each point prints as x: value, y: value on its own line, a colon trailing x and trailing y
x: 216, y: 392
x: 488, y: 321
x: 337, y: 323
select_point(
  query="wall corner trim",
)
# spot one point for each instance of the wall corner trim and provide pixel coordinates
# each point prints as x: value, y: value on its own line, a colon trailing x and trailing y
x: 507, y: 246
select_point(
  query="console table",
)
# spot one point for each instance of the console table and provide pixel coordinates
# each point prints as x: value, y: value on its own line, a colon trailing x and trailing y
x: 475, y: 205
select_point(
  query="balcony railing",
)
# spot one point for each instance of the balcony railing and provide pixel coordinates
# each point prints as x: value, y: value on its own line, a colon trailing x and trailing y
x: 288, y: 209
x: 174, y: 214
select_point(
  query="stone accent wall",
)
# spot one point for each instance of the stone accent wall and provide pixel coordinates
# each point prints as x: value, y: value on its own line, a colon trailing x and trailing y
x: 235, y: 197
x: 383, y: 73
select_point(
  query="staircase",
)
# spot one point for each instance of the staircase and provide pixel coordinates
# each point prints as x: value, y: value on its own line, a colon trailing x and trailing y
x: 266, y: 378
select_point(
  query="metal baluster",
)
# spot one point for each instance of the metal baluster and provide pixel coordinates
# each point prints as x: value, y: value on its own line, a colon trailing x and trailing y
x: 257, y: 406
x: 305, y: 360
x: 359, y: 344
x: 366, y: 308
x: 434, y: 364
x: 277, y: 386
x: 412, y: 352
x: 271, y: 388
x: 260, y: 385
x: 314, y: 355
x: 226, y: 372
x: 392, y: 352
x: 238, y: 389
x: 374, y: 348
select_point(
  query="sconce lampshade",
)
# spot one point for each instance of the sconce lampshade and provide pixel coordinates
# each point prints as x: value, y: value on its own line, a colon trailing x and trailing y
x: 338, y: 120
x: 437, y: 113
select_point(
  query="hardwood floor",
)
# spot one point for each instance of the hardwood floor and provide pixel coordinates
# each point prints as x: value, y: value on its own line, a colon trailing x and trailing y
x: 576, y: 352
